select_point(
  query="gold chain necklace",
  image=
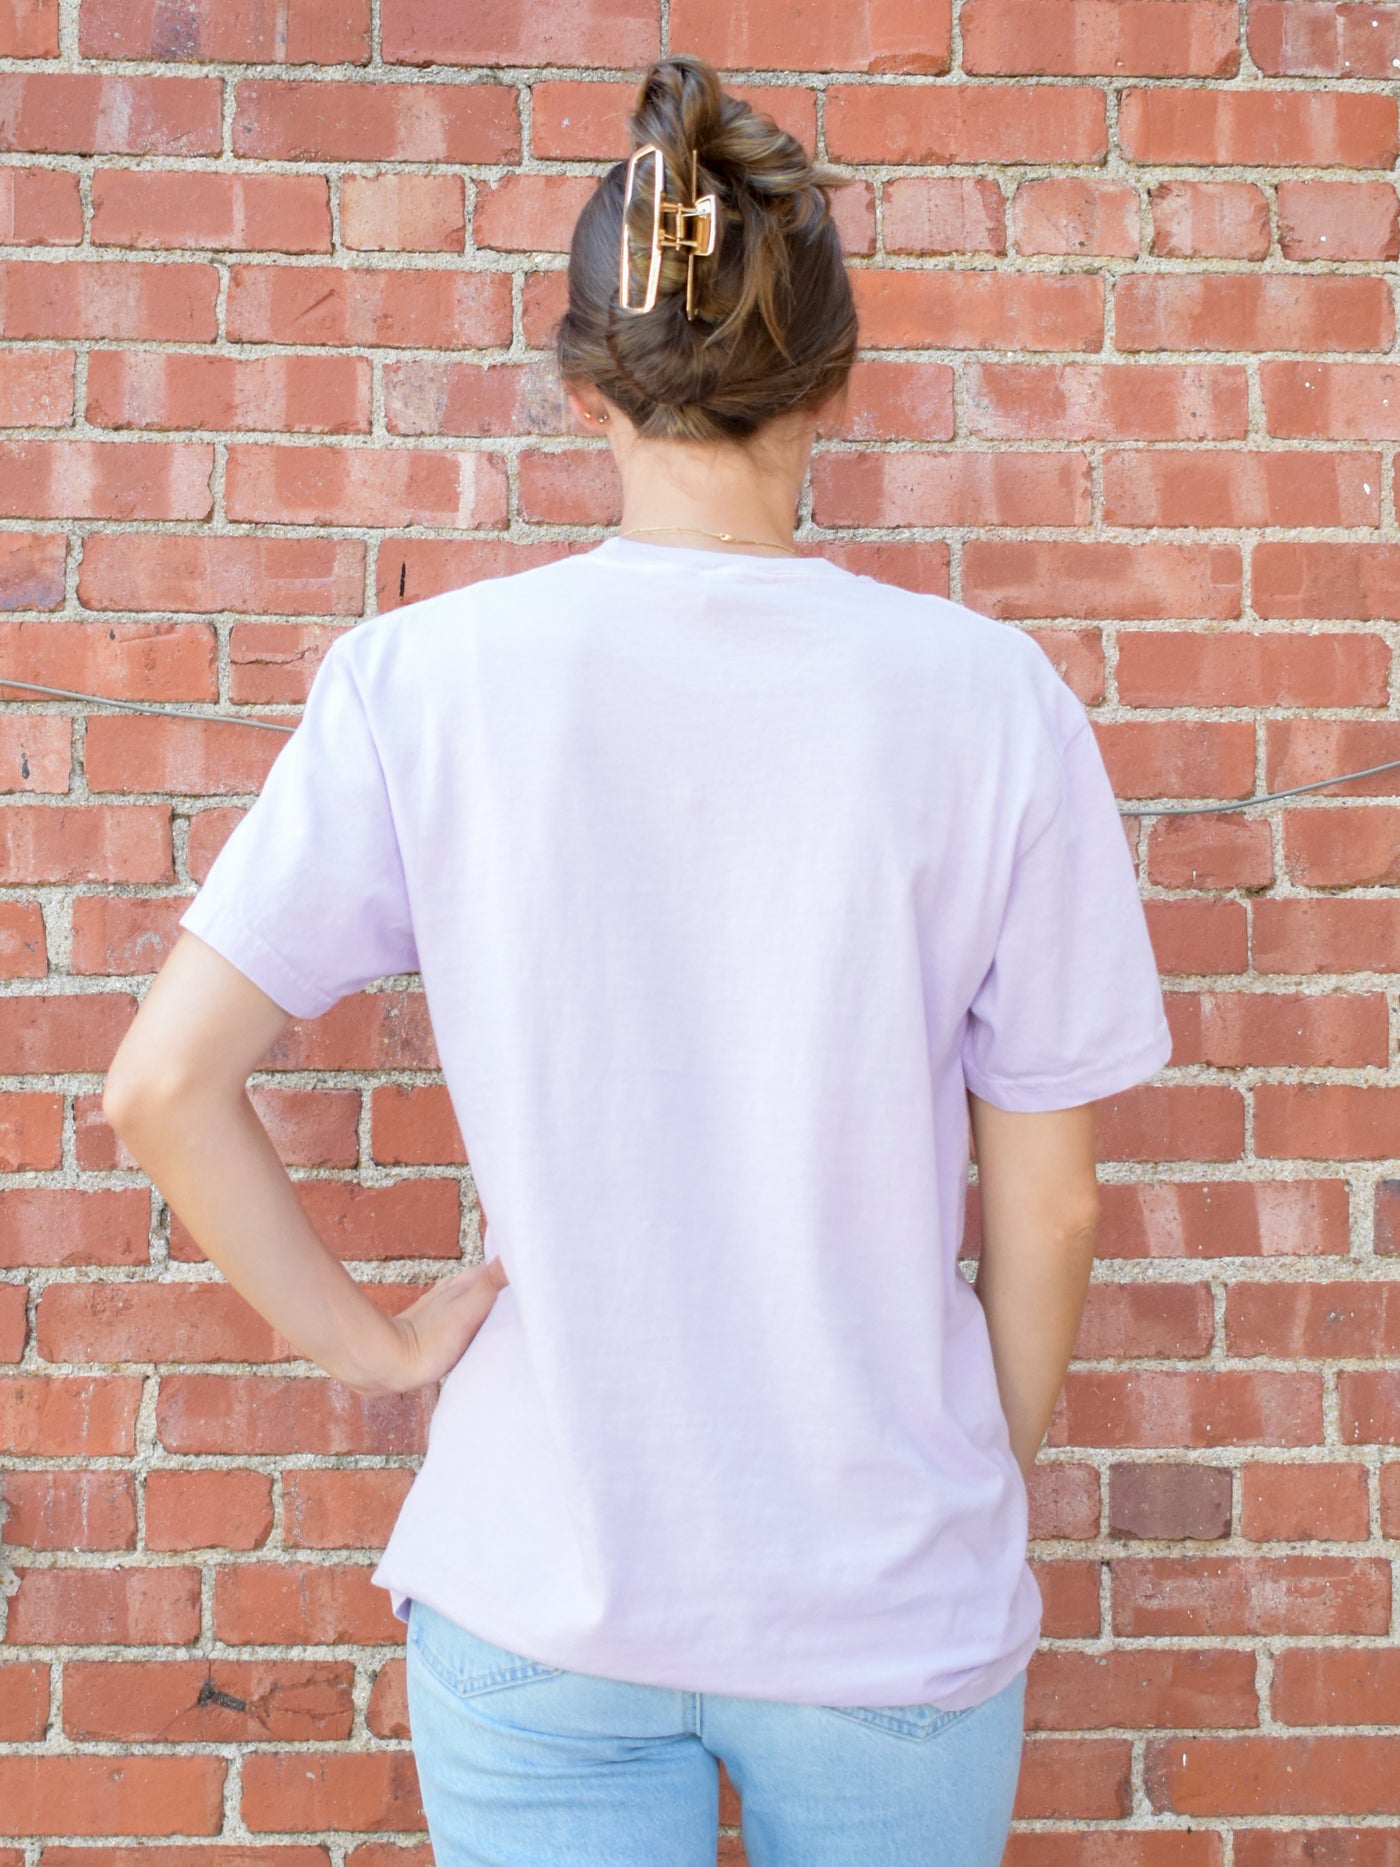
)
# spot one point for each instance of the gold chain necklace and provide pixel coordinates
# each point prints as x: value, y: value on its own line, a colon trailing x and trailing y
x: 729, y: 538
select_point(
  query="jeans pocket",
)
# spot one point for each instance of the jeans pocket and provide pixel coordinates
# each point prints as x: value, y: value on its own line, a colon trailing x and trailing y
x: 463, y: 1661
x: 916, y: 1721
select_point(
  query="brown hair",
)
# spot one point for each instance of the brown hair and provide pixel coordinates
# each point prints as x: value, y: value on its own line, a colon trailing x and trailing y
x: 775, y: 323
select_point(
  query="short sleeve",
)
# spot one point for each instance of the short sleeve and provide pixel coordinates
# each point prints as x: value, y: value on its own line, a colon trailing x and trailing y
x: 1070, y: 1007
x: 307, y: 894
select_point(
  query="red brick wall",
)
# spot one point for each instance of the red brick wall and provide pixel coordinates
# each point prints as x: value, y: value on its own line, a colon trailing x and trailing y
x: 275, y: 299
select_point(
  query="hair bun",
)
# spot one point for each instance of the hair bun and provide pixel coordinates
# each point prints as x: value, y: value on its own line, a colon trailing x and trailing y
x: 774, y: 325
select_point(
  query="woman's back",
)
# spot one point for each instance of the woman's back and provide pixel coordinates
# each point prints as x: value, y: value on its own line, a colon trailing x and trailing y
x: 707, y: 861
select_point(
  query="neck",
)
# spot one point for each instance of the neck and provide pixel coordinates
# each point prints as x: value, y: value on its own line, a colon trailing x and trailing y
x: 684, y: 494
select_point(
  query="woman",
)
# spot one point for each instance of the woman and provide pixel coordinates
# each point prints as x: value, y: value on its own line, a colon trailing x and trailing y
x: 741, y: 887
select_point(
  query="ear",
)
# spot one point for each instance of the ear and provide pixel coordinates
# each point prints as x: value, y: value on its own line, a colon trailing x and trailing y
x: 587, y: 404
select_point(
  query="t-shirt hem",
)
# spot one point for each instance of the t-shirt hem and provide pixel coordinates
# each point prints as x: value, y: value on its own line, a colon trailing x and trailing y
x: 1029, y: 1094
x: 978, y: 1682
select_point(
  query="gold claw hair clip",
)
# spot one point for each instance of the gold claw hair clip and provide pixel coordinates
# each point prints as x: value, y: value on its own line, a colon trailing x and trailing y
x: 684, y: 229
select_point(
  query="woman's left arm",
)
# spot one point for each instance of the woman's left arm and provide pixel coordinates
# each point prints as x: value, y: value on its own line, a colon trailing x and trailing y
x: 176, y: 1093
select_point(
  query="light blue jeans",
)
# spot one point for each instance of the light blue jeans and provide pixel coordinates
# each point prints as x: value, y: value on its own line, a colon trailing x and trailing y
x: 526, y: 1765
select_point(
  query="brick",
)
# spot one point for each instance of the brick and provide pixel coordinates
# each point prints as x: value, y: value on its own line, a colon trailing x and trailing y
x: 861, y: 36
x: 106, y: 1795
x: 89, y: 112
x: 1256, y: 668
x: 1368, y: 1406
x: 1298, y: 579
x: 48, y: 298
x: 414, y: 1218
x: 51, y: 1225
x: 37, y: 749
x: 256, y: 576
x: 159, y: 1322
x: 443, y: 309
x: 1068, y: 214
x: 84, y: 843
x: 1325, y: 1121
x: 1233, y: 1030
x: 299, y: 1794
x: 1224, y: 1218
x: 68, y: 1416
x: 965, y: 123
x: 1137, y: 1320
x: 1209, y: 220
x: 1064, y: 1501
x: 1098, y: 578
x: 203, y: 1701
x: 14, y: 1322
x: 387, y: 1712
x: 1252, y: 1595
x: 410, y: 569
x: 403, y: 213
x: 1316, y: 1847
x: 586, y: 118
x: 31, y: 571
x: 36, y: 388
x: 438, y: 32
x: 69, y: 1510
x: 40, y: 207
x: 297, y: 32
x: 283, y: 394
x: 1187, y: 1407
x: 529, y: 213
x: 235, y: 213
x: 1338, y: 220
x: 374, y: 121
x: 268, y: 1604
x: 227, y: 1855
x: 1293, y: 1503
x: 1313, y: 129
x: 105, y: 1607
x: 368, y: 486
x: 342, y: 1509
x: 414, y: 1127
x: 1251, y: 311
x: 1169, y: 1124
x: 30, y: 1132
x: 1143, y: 1689
x: 1325, y: 935
x: 958, y: 488
x: 574, y: 488
x: 431, y: 395
x: 1169, y: 1501
x: 208, y: 1509
x: 1322, y: 39
x: 23, y: 948
x: 1075, y: 1778
x: 1320, y: 1685
x: 1341, y: 848
x: 1314, y: 1321
x: 1108, y: 38
x: 1275, y: 1776
x: 106, y: 480
x: 1105, y: 401
x: 24, y: 1708
x: 251, y: 1414
x: 979, y: 310
x: 29, y: 29
x: 1227, y: 486
x: 156, y: 661
x: 944, y: 214
x: 1335, y: 401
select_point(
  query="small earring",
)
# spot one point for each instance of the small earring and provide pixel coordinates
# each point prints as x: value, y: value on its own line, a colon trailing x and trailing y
x: 600, y: 418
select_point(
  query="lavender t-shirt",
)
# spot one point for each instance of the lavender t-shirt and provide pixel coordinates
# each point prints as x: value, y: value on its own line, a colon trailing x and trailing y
x: 726, y: 877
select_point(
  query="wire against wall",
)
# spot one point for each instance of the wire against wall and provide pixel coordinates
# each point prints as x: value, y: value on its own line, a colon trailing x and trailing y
x: 1133, y: 810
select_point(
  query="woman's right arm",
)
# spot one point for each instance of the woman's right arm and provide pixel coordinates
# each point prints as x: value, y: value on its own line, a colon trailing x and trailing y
x: 1039, y: 1202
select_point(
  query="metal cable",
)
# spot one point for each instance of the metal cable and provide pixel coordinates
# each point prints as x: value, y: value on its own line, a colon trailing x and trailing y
x: 1132, y: 810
